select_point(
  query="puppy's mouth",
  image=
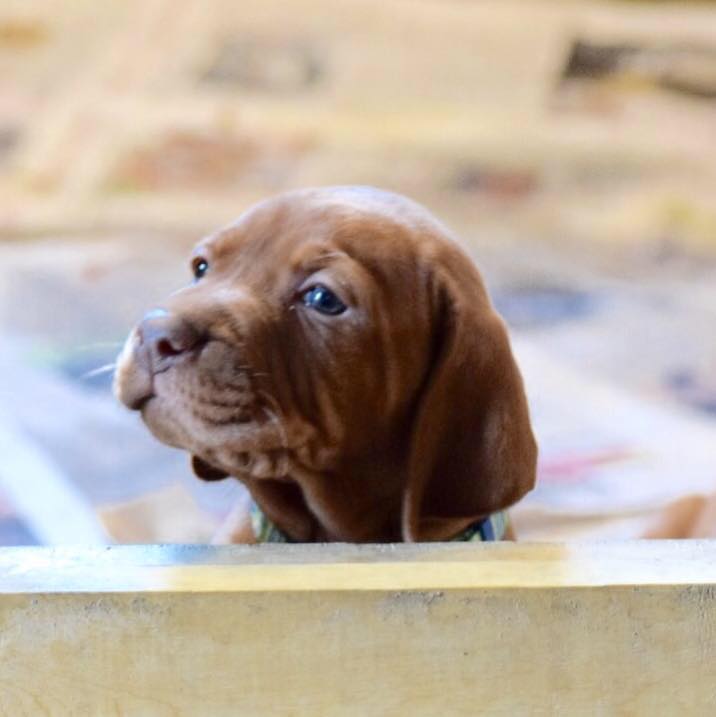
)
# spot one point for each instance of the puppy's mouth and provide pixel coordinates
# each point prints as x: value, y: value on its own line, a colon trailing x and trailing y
x: 199, y: 407
x: 212, y: 368
x: 224, y: 439
x: 138, y: 404
x: 207, y: 404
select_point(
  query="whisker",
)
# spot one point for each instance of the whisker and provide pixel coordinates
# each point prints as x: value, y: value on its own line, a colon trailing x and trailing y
x: 99, y: 371
x: 250, y: 371
x: 99, y: 345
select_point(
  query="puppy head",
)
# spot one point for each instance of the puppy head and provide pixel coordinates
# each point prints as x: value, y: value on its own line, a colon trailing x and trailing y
x: 280, y: 347
x: 333, y: 328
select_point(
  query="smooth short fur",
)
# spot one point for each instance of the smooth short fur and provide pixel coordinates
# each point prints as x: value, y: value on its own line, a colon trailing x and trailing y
x: 402, y: 419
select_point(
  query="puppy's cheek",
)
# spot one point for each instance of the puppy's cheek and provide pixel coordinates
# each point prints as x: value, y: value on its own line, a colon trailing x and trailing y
x: 224, y: 367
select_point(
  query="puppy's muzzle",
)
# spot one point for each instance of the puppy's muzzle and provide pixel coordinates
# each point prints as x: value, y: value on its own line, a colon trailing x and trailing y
x: 164, y: 340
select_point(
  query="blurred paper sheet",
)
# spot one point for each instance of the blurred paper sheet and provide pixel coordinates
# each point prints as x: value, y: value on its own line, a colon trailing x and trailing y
x: 169, y: 515
x: 605, y: 453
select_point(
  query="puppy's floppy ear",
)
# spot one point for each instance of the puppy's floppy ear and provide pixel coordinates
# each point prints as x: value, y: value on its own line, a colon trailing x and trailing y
x: 472, y: 450
x: 205, y: 471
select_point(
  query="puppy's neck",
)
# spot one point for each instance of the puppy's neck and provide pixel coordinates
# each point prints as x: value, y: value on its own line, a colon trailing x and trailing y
x: 352, y: 505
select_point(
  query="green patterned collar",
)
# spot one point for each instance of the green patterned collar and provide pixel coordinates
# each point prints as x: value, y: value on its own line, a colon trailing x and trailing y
x: 491, y: 528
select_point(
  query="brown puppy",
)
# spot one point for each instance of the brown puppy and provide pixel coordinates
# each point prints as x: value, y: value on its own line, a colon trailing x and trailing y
x: 338, y: 353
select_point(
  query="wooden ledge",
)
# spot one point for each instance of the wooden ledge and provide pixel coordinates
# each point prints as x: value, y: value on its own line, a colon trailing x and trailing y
x: 194, y: 568
x: 452, y: 629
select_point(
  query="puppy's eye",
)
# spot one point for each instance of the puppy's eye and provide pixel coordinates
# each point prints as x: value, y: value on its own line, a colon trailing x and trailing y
x: 322, y: 299
x: 199, y: 266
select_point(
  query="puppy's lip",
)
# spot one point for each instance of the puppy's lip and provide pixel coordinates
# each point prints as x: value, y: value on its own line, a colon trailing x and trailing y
x: 133, y: 389
x: 139, y: 404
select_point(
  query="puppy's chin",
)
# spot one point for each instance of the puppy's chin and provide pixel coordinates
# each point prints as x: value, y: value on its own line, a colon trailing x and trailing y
x: 161, y: 425
x: 244, y: 450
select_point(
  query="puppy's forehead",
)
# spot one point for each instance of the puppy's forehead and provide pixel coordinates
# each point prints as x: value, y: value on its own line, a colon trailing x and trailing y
x: 357, y: 220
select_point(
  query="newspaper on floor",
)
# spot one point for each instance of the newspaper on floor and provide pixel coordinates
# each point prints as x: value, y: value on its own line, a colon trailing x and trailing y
x: 608, y: 459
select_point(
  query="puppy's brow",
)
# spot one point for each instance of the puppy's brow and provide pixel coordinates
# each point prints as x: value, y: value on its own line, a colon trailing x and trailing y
x: 203, y: 248
x: 330, y: 255
x: 217, y: 245
x: 311, y: 259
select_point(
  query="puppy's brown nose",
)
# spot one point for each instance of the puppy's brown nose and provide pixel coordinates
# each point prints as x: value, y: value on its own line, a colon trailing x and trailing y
x: 166, y: 339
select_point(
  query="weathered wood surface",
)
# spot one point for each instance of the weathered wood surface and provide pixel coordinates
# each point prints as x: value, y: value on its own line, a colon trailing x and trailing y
x: 511, y: 629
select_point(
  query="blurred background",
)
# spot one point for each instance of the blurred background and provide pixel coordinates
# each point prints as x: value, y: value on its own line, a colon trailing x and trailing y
x: 572, y: 145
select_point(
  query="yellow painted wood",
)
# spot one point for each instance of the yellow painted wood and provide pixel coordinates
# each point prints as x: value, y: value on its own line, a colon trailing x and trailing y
x: 503, y: 629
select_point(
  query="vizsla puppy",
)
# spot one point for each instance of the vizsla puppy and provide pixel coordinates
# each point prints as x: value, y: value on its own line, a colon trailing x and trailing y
x: 338, y: 353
